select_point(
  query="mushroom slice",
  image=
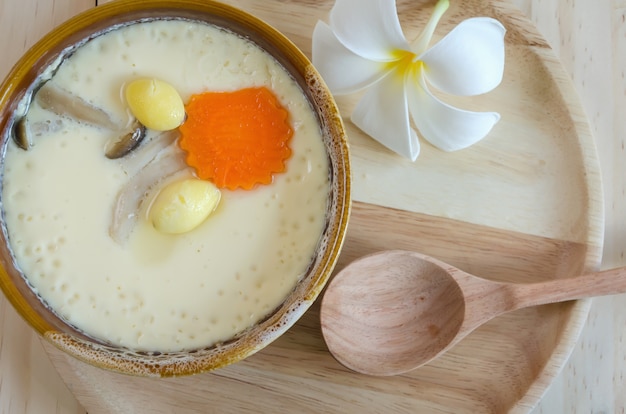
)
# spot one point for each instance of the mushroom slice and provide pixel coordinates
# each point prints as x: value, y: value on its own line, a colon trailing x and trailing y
x: 130, y: 198
x: 62, y: 102
x: 117, y: 148
x: 22, y: 135
x: 150, y: 147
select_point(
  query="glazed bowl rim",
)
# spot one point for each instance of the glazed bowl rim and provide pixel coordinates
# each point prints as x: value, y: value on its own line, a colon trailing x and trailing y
x: 20, y: 82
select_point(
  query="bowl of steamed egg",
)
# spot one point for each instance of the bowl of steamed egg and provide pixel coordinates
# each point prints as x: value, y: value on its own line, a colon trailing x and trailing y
x: 175, y: 186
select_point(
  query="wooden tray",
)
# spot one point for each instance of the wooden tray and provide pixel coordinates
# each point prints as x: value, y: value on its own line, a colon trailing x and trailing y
x: 523, y: 205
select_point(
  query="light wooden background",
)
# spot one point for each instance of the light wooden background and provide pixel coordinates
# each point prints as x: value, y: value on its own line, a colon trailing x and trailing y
x: 588, y: 36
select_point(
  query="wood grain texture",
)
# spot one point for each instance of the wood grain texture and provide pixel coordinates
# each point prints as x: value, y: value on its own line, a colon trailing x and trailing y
x: 589, y: 38
x: 532, y: 183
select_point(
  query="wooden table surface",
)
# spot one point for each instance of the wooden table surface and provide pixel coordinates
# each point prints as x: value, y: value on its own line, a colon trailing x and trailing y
x: 590, y: 39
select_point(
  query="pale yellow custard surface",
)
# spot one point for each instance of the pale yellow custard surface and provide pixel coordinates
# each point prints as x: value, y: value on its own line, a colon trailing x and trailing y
x: 161, y: 292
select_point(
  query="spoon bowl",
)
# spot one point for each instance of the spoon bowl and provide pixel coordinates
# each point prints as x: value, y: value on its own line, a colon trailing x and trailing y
x: 382, y: 308
x: 393, y: 311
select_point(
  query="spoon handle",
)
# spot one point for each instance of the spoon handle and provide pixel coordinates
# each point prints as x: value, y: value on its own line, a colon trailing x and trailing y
x: 607, y: 282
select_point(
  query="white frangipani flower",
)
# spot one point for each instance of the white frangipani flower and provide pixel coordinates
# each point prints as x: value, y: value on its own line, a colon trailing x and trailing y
x: 363, y: 47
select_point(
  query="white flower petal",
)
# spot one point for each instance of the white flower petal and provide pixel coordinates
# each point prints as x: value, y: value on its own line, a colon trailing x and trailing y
x: 469, y: 60
x: 446, y: 127
x: 383, y: 114
x: 343, y: 71
x: 370, y: 29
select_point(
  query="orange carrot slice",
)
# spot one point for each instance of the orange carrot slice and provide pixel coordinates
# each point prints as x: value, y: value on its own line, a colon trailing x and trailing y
x: 236, y: 139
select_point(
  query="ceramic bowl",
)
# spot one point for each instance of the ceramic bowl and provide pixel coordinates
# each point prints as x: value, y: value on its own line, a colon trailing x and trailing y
x: 21, y: 82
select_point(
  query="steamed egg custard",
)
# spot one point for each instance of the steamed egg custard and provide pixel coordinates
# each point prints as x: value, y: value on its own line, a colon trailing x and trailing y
x: 129, y: 244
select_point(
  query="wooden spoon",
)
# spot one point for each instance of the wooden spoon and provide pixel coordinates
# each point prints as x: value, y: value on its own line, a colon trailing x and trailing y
x: 393, y: 311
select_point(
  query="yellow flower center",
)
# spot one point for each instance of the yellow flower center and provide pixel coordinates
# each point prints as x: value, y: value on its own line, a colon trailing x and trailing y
x: 405, y: 65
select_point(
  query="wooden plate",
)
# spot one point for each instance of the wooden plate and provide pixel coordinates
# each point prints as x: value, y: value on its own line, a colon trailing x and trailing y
x: 522, y: 205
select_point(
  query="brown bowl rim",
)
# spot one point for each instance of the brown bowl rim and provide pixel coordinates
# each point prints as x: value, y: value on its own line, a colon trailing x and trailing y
x: 83, y: 26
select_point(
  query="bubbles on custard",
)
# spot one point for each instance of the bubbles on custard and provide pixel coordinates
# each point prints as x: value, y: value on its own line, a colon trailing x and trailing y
x: 150, y: 363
